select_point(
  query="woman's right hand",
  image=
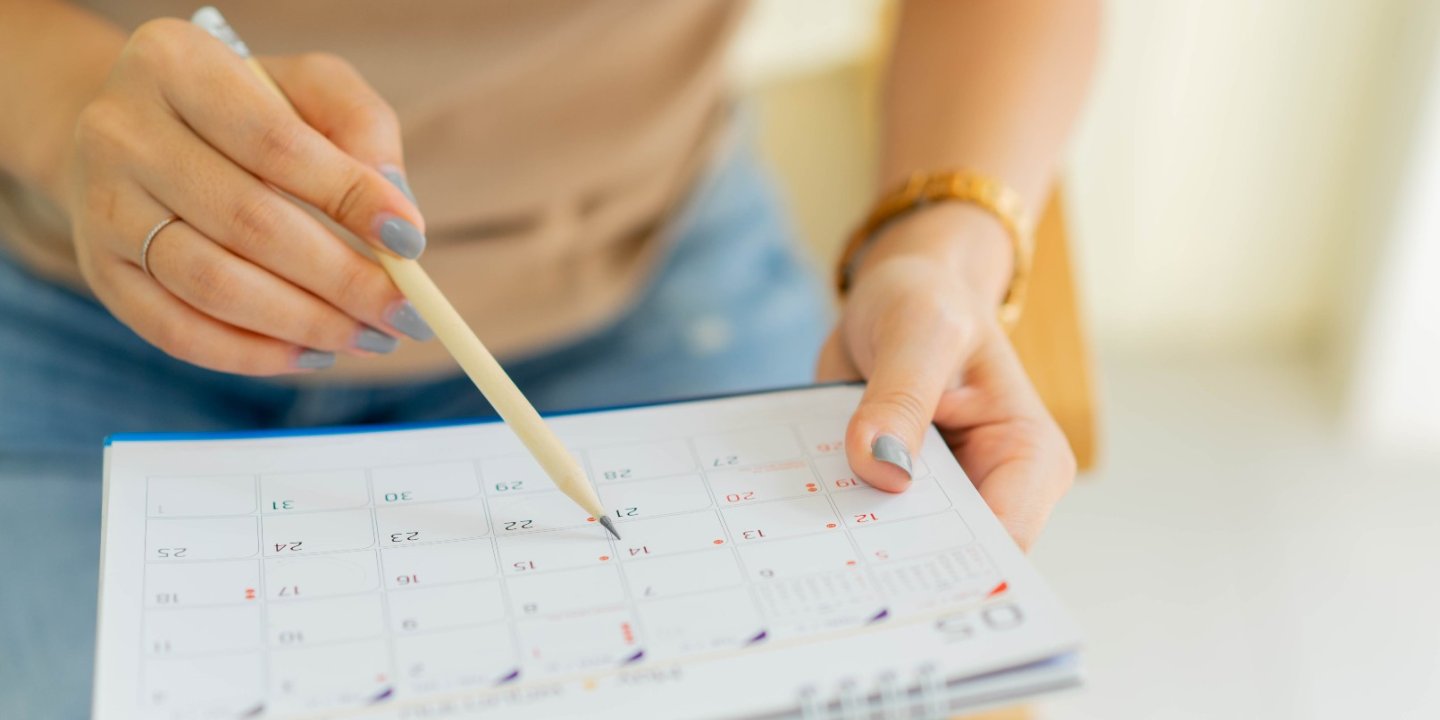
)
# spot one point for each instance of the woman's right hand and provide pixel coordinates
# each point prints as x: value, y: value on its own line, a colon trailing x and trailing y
x: 247, y: 281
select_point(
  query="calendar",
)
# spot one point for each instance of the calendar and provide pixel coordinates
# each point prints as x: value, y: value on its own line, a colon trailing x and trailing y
x: 436, y: 572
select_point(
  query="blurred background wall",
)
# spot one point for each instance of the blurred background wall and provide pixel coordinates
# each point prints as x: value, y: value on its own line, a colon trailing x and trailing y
x: 1254, y: 202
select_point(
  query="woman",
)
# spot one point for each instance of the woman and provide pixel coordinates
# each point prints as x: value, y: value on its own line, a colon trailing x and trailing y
x: 175, y: 254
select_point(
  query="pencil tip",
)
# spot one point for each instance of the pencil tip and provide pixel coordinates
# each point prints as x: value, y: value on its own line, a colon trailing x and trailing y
x: 609, y: 525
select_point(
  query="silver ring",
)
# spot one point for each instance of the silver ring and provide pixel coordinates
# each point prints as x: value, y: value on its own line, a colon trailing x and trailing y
x: 149, y: 238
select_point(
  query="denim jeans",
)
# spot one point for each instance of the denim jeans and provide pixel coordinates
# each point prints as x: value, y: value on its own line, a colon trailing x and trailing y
x: 730, y: 308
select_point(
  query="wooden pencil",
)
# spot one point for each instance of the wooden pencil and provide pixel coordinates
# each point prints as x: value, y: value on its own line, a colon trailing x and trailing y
x: 457, y: 337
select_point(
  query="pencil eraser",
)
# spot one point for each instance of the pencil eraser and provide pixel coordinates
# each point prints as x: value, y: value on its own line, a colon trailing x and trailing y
x: 210, y: 19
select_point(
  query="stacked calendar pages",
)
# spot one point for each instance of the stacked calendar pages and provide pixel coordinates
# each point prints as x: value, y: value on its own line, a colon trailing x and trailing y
x: 435, y: 572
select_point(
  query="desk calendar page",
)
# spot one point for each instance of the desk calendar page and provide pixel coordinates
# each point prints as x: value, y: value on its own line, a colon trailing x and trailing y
x: 437, y: 573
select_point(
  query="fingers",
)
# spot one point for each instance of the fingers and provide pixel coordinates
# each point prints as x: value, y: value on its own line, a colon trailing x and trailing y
x: 251, y: 220
x: 222, y: 100
x: 996, y: 388
x: 1007, y: 442
x: 915, y: 360
x: 1023, y: 490
x: 933, y: 355
x: 188, y: 334
x: 235, y: 291
x: 250, y: 282
x: 216, y: 282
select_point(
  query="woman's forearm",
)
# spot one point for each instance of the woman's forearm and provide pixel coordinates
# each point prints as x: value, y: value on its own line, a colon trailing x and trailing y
x: 55, y: 57
x: 988, y: 85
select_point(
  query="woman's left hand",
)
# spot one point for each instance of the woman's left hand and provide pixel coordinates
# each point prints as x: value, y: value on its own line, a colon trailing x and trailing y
x: 920, y: 325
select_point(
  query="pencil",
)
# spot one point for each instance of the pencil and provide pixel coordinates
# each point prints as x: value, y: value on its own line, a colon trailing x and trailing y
x: 457, y: 337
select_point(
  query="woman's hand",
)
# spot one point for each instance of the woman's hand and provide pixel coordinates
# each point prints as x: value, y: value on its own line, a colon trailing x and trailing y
x: 247, y: 281
x: 920, y: 325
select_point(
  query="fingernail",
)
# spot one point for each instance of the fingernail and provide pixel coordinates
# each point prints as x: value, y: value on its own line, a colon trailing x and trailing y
x: 404, y: 317
x: 314, y: 360
x: 401, y: 237
x: 888, y: 448
x: 397, y: 179
x: 375, y: 341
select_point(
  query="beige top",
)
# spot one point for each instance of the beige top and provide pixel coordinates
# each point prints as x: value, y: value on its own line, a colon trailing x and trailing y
x: 546, y: 141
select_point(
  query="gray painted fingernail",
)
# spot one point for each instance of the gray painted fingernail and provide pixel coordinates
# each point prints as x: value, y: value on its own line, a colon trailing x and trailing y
x: 888, y: 448
x: 375, y: 341
x: 402, y: 238
x: 404, y: 317
x: 314, y: 360
x: 397, y: 179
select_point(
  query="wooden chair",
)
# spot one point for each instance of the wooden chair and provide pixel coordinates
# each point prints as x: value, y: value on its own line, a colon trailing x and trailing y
x: 1050, y: 336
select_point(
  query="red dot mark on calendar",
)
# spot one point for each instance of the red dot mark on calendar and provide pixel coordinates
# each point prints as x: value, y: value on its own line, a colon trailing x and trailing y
x: 810, y: 487
x: 850, y: 562
x: 830, y: 525
x: 628, y: 632
x: 718, y: 541
x: 589, y: 519
x: 249, y: 593
x: 603, y: 558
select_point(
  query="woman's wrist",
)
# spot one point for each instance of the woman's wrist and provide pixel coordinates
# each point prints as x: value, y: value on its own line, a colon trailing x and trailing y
x: 958, y: 237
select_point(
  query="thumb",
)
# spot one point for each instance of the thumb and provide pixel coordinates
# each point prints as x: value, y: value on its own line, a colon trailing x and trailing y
x: 913, y: 365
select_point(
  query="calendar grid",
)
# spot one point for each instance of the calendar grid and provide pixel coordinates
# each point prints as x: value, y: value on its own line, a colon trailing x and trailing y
x: 492, y: 530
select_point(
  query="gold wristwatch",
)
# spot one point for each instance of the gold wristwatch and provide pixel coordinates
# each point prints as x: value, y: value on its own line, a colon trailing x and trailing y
x: 953, y: 186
